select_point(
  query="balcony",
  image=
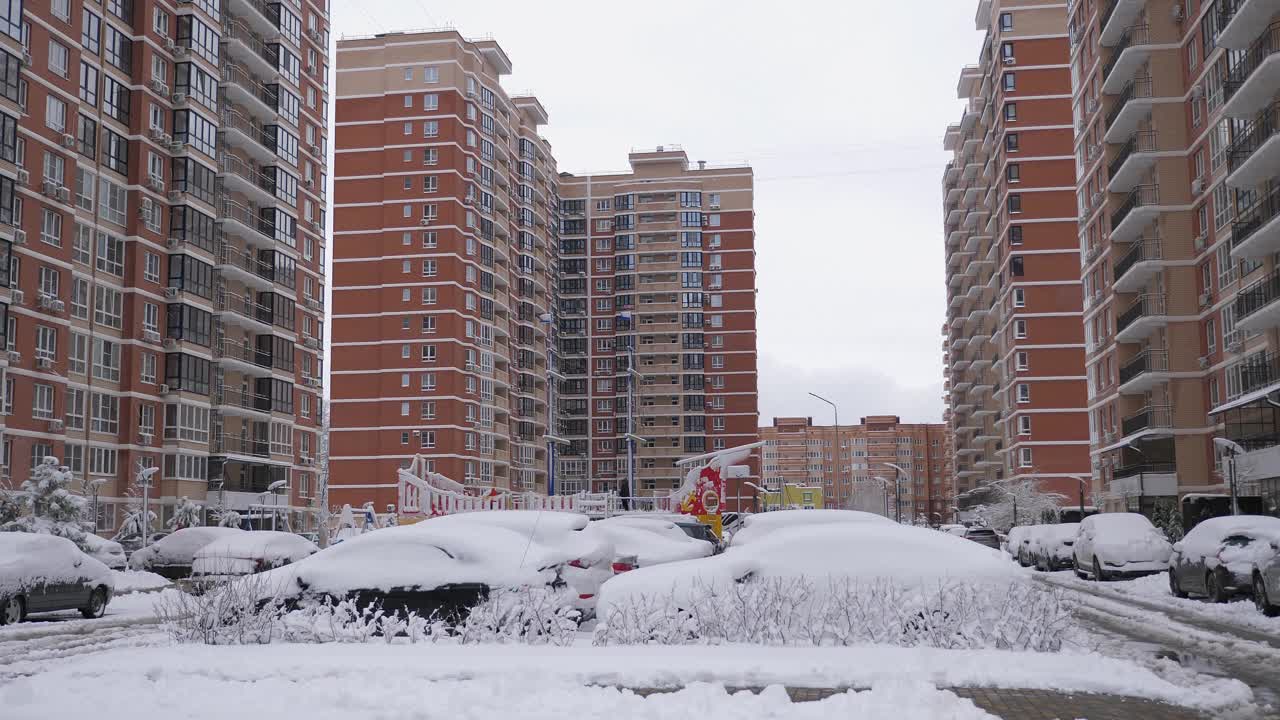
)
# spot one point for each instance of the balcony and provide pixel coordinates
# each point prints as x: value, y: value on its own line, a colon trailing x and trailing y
x: 226, y: 444
x: 1146, y: 370
x: 1141, y: 319
x: 1254, y: 79
x: 1255, y: 233
x: 1256, y: 307
x: 240, y: 42
x: 1137, y: 266
x: 243, y: 220
x: 244, y: 312
x: 1256, y: 372
x: 1116, y: 17
x: 235, y: 401
x: 1138, y: 210
x: 1152, y: 417
x: 1255, y: 154
x: 240, y: 86
x: 247, y: 267
x: 1128, y: 109
x: 1240, y: 25
x: 1132, y: 162
x: 244, y: 132
x: 1131, y: 51
x: 241, y: 176
x: 253, y: 12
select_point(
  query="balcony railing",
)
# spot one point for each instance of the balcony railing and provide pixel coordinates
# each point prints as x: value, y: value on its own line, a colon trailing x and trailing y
x: 1107, y: 12
x: 1257, y: 371
x: 234, y: 165
x: 248, y: 217
x: 1136, y: 89
x: 267, y: 95
x: 239, y: 398
x: 1152, y: 416
x: 1148, y: 468
x: 245, y: 261
x: 1143, y: 251
x: 1254, y: 136
x: 1135, y: 35
x: 243, y: 351
x: 1262, y: 48
x: 1141, y: 196
x: 1257, y: 296
x: 1151, y: 360
x: 1259, y: 214
x: 225, y: 443
x: 232, y: 30
x: 1144, y: 141
x: 1145, y: 306
x: 245, y: 308
x: 235, y: 120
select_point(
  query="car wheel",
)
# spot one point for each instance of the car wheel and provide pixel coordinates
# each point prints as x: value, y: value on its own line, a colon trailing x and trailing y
x: 1213, y: 588
x: 1174, y: 587
x: 97, y: 606
x: 1261, y: 599
x: 1075, y: 565
x: 1097, y: 570
x: 13, y: 610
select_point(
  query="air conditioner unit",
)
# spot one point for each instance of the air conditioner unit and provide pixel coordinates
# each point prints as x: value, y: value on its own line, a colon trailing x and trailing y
x: 1197, y: 186
x: 1201, y: 240
x: 313, y: 382
x: 1178, y: 12
x: 174, y: 243
x: 170, y: 344
x: 55, y: 425
x: 315, y: 35
x: 151, y: 336
x: 175, y: 196
x: 177, y: 146
x: 159, y: 88
x: 178, y: 98
x: 310, y: 183
x: 15, y: 357
x: 1235, y: 347
x: 1197, y: 92
x: 62, y: 194
x: 24, y: 177
x: 315, y: 150
x: 155, y: 184
x: 19, y: 237
x: 26, y: 56
x: 425, y: 221
x: 17, y: 297
x: 170, y: 45
x: 172, y: 292
x: 68, y: 140
x: 145, y: 438
x: 305, y: 461
x: 48, y: 187
x: 312, y: 343
x: 1205, y: 299
x: 164, y: 389
x: 1204, y: 362
x: 50, y: 302
x: 1009, y: 61
x: 314, y: 304
x: 180, y: 51
x: 44, y: 363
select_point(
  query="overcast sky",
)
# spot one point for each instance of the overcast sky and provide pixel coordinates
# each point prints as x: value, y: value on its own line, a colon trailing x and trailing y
x: 839, y: 107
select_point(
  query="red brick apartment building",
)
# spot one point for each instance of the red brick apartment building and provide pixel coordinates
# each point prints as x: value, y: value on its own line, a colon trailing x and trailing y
x: 1015, y: 339
x: 162, y: 210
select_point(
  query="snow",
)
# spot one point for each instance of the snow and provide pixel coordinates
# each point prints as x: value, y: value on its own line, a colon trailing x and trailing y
x: 1205, y: 539
x: 31, y: 558
x: 178, y: 547
x: 1053, y: 539
x: 442, y: 681
x: 1123, y: 540
x: 238, y: 553
x: 108, y: 552
x: 760, y: 525
x: 128, y: 581
x: 651, y: 542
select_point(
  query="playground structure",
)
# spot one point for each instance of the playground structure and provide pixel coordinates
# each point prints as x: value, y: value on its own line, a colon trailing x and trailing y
x: 423, y: 494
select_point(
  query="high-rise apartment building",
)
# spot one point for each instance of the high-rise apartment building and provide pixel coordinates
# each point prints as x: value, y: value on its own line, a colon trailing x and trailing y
x: 1014, y: 344
x: 445, y: 226
x: 657, y: 320
x: 162, y: 174
x: 1177, y: 156
x: 849, y: 464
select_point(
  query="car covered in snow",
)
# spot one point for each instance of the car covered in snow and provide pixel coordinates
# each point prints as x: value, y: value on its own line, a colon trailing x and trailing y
x: 107, y: 552
x: 1266, y: 580
x: 1018, y: 544
x: 640, y: 541
x: 171, y: 556
x: 1220, y: 557
x: 45, y: 573
x: 762, y: 525
x: 248, y: 552
x: 983, y: 536
x: 432, y: 568
x: 820, y: 554
x: 1049, y: 547
x: 1118, y: 545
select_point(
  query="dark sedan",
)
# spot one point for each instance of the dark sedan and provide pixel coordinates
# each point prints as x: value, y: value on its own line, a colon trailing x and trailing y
x: 983, y: 536
x: 45, y: 573
x: 1217, y: 559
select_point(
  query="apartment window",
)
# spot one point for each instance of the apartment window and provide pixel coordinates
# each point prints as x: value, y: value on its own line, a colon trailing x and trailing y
x: 429, y: 324
x: 42, y: 401
x: 77, y: 356
x: 106, y: 360
x: 58, y: 58
x: 1020, y: 329
x: 105, y: 416
x: 108, y: 306
x: 1024, y: 393
x: 1022, y: 360
x: 151, y: 268
x: 1006, y: 51
x: 46, y: 342
x: 1006, y: 21
x: 1019, y: 297
x: 50, y: 227
x: 431, y: 128
x: 1010, y: 111
x: 1015, y: 203
x: 1011, y: 142
x: 1024, y: 457
x: 147, y: 374
x: 90, y: 32
x: 1010, y: 81
x: 1211, y: 335
x: 1013, y: 173
x: 1016, y: 266
x: 1015, y: 234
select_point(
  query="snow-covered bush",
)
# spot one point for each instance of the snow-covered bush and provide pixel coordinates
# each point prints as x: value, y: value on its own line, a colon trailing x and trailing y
x: 47, y: 505
x: 226, y: 614
x: 131, y: 527
x: 774, y: 611
x: 186, y: 514
x: 532, y: 616
x: 229, y: 518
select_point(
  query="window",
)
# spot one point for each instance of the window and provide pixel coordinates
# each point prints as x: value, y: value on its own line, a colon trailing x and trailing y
x: 55, y: 113
x: 1022, y: 360
x: 1015, y: 203
x: 1006, y: 21
x: 90, y: 32
x: 105, y: 417
x: 1010, y: 81
x: 147, y: 373
x: 1019, y: 297
x: 42, y: 401
x: 1024, y: 393
x: 1024, y: 457
x: 151, y: 268
x: 46, y: 342
x: 1020, y: 329
x: 110, y: 254
x: 1211, y: 335
x: 58, y: 58
x: 50, y: 227
x: 1011, y: 142
x: 1016, y: 266
x: 106, y: 360
x: 108, y: 306
x: 1015, y: 234
x: 1013, y: 173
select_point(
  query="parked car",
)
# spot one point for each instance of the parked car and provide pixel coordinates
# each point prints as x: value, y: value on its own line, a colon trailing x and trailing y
x: 642, y: 542
x: 172, y: 555
x: 957, y: 530
x: 983, y: 536
x: 762, y: 525
x: 1266, y: 580
x: 1121, y: 544
x: 133, y: 543
x: 1018, y: 544
x: 1220, y: 556
x: 431, y: 568
x: 1050, y: 546
x: 107, y: 552
x: 248, y: 552
x: 45, y: 573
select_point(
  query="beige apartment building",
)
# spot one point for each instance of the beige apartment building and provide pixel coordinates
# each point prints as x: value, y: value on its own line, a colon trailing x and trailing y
x: 1013, y: 338
x: 657, y: 321
x: 445, y: 245
x: 1177, y: 153
x: 849, y: 464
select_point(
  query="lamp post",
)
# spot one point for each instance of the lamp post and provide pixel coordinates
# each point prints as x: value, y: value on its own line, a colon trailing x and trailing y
x: 143, y: 480
x: 1233, y: 449
x: 897, y: 499
x: 95, y: 486
x: 272, y: 488
x: 1084, y: 481
x: 836, y: 412
x: 758, y: 490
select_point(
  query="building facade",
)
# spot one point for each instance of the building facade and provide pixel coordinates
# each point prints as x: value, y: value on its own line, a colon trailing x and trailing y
x: 850, y: 464
x: 1014, y: 336
x: 162, y: 175
x: 445, y: 226
x: 657, y: 321
x: 1176, y: 150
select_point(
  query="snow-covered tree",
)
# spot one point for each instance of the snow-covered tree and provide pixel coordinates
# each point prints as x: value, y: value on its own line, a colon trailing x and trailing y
x: 229, y: 518
x: 1167, y: 518
x: 47, y: 506
x: 132, y: 525
x: 1001, y: 502
x: 186, y: 514
x: 10, y: 507
x: 323, y: 513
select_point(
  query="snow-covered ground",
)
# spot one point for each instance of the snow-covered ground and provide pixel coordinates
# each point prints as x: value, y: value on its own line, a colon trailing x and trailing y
x: 334, y: 680
x: 128, y: 581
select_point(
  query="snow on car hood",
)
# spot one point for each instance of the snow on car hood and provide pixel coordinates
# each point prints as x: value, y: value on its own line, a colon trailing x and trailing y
x: 854, y: 551
x: 761, y: 525
x: 178, y: 547
x: 240, y: 553
x: 1206, y: 537
x: 28, y: 559
x: 559, y: 530
x: 651, y: 542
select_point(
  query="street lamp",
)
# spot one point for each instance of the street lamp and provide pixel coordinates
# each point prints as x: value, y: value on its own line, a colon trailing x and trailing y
x: 143, y: 480
x: 272, y: 488
x: 94, y: 486
x: 758, y: 490
x: 897, y: 499
x: 1233, y: 449
x: 836, y: 412
x: 1084, y: 481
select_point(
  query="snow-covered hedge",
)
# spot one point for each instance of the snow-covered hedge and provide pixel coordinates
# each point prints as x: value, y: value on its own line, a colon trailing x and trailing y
x: 948, y: 614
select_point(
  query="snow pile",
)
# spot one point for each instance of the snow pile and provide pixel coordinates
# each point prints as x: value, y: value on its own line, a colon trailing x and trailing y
x: 650, y: 542
x: 108, y: 552
x: 177, y: 548
x: 239, y: 553
x: 128, y: 581
x: 28, y: 560
x: 762, y: 525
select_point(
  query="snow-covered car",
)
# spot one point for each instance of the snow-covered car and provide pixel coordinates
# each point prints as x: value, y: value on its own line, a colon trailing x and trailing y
x: 1266, y: 581
x: 133, y: 543
x: 1120, y: 544
x: 762, y: 525
x: 248, y: 552
x: 431, y: 568
x: 107, y: 552
x: 859, y: 551
x: 642, y: 542
x: 957, y: 530
x: 1050, y: 546
x: 1219, y: 557
x: 172, y: 555
x: 1018, y: 544
x: 589, y: 557
x: 45, y: 573
x: 983, y: 536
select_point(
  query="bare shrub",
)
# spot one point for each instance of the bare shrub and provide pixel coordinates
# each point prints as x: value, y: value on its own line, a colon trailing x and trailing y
x: 223, y: 614
x: 532, y: 616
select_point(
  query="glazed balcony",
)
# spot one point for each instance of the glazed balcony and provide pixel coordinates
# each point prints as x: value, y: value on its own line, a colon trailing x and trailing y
x: 1130, y: 52
x: 1253, y: 80
x: 1255, y: 154
x: 1128, y: 108
x: 1136, y: 267
x: 1140, y: 208
x: 1141, y: 319
x: 1256, y: 307
x: 1146, y: 370
x: 1255, y: 233
x: 1242, y: 20
x: 1132, y: 162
